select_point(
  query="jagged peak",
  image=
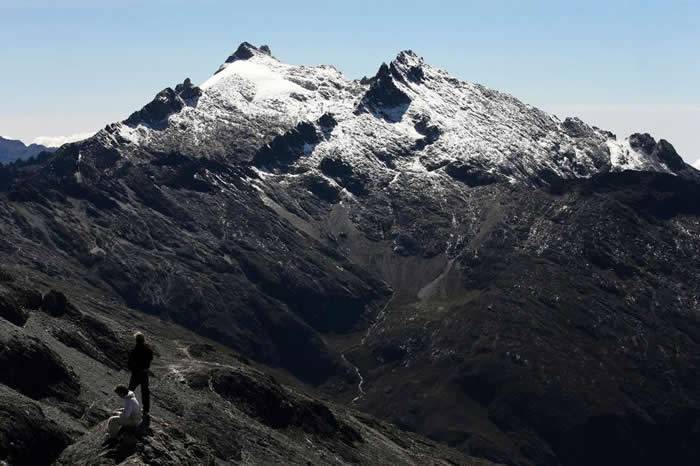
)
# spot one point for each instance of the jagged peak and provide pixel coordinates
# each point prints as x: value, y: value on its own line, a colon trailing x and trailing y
x: 408, y: 67
x: 663, y: 151
x: 384, y: 93
x: 408, y: 57
x: 247, y: 50
x: 165, y: 103
x: 384, y: 98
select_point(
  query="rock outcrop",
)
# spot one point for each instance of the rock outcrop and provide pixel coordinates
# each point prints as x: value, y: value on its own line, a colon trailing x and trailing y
x: 32, y: 368
x: 27, y: 436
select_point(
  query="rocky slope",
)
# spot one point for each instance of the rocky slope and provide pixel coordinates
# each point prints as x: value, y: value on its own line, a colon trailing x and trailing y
x: 425, y: 249
x: 61, y: 360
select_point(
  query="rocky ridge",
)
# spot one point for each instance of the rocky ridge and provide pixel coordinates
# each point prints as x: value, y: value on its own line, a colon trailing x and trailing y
x: 211, y: 405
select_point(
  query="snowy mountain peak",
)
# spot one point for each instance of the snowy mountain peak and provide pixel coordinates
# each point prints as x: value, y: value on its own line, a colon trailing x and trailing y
x: 409, y: 64
x: 247, y: 50
x: 408, y: 54
x: 409, y: 117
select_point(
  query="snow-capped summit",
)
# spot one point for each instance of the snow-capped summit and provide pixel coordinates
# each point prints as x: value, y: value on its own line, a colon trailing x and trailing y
x: 408, y: 117
x: 247, y: 50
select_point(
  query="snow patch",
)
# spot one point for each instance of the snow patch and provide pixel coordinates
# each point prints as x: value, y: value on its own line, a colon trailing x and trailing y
x: 269, y: 83
x: 623, y: 157
x: 133, y: 135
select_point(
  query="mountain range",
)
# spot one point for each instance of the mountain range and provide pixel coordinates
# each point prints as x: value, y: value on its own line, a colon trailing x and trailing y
x: 318, y: 257
x: 11, y: 150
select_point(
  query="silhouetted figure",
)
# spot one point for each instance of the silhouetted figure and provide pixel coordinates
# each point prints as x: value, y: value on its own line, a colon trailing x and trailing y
x: 130, y: 415
x: 139, y: 362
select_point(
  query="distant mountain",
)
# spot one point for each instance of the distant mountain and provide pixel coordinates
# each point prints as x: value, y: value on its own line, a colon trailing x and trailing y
x: 58, y: 141
x: 440, y: 254
x: 11, y: 150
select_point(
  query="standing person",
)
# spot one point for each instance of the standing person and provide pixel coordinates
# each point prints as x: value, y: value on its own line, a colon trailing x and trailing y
x: 130, y: 415
x: 139, y: 362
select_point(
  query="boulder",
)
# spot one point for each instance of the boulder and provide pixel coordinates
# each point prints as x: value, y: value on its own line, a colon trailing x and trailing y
x: 35, y: 370
x: 56, y: 304
x: 11, y: 311
x: 27, y: 437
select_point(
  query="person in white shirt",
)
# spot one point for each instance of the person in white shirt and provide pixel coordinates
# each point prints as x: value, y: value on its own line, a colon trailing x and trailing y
x: 130, y: 415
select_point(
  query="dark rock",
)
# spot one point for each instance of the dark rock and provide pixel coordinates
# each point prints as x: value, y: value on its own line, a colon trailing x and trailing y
x: 165, y: 103
x: 327, y: 121
x: 406, y: 245
x: 159, y: 442
x: 663, y: 150
x: 74, y: 338
x: 6, y: 276
x: 187, y: 90
x: 27, y: 437
x: 288, y: 147
x: 668, y: 155
x: 11, y: 310
x: 115, y: 347
x: 556, y: 306
x: 345, y: 175
x: 32, y: 368
x: 576, y: 128
x: 384, y: 99
x: 56, y: 304
x: 246, y: 51
x: 469, y: 174
x: 431, y: 133
x: 642, y: 141
x: 28, y: 298
x: 323, y: 189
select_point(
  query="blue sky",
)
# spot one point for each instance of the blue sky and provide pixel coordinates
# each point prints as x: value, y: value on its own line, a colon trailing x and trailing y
x: 74, y: 65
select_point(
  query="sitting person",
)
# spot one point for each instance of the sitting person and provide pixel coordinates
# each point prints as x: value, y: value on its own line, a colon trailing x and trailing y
x: 130, y: 415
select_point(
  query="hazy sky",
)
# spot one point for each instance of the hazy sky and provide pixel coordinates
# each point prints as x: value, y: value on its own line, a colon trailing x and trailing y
x: 72, y: 66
